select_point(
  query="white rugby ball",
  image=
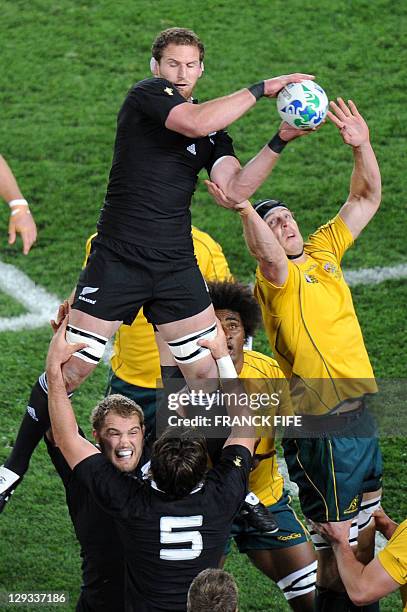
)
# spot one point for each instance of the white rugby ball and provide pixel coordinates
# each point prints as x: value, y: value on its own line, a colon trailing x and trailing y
x: 303, y: 105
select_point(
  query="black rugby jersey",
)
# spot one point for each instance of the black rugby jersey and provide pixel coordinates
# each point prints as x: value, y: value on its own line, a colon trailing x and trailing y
x: 168, y: 542
x: 103, y: 566
x: 155, y: 170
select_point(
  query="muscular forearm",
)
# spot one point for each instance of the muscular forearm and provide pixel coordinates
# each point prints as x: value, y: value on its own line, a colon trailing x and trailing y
x: 260, y: 240
x: 247, y: 180
x: 350, y: 570
x: 365, y: 181
x: 9, y: 190
x: 197, y: 120
x: 62, y: 416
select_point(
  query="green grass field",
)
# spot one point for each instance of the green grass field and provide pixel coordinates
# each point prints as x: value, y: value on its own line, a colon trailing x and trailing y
x: 66, y: 67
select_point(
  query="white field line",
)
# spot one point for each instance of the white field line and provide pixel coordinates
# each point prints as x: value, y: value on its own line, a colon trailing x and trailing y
x: 374, y: 276
x: 40, y: 304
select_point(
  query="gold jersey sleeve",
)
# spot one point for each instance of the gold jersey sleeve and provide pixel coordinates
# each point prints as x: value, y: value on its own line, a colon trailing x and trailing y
x: 312, y: 326
x: 265, y: 480
x: 135, y: 355
x: 393, y: 558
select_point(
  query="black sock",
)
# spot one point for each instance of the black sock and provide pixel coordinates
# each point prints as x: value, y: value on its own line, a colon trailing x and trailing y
x: 33, y: 426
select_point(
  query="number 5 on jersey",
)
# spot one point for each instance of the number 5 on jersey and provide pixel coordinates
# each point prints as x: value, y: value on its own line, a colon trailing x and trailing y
x: 168, y: 536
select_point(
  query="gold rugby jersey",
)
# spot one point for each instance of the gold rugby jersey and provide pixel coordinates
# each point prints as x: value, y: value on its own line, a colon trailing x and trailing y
x: 393, y: 558
x: 265, y: 480
x: 312, y: 326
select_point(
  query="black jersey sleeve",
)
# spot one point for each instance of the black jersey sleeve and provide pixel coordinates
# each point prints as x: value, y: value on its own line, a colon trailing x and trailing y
x: 155, y: 98
x: 222, y: 146
x: 231, y: 475
x: 57, y: 458
x: 113, y: 490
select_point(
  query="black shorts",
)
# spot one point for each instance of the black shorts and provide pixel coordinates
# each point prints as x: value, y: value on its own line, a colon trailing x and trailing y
x: 120, y: 277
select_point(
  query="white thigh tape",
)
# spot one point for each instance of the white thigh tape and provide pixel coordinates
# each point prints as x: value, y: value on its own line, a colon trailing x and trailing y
x: 187, y: 349
x: 367, y: 507
x: 96, y: 344
x: 300, y: 582
x: 320, y: 543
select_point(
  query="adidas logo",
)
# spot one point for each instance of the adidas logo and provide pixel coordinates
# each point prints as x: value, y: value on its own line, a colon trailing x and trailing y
x: 192, y: 149
x: 32, y: 413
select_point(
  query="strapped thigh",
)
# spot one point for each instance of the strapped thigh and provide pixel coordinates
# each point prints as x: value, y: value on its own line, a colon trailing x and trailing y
x: 96, y: 344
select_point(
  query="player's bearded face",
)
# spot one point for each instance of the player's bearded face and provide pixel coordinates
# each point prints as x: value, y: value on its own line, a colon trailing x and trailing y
x: 121, y: 441
x: 181, y: 66
x: 234, y: 331
x: 285, y: 229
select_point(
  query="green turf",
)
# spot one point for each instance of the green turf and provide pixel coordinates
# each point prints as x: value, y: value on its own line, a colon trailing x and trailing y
x: 66, y: 66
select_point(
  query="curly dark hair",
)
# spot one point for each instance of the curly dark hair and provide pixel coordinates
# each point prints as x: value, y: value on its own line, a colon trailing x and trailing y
x: 179, y: 461
x: 178, y: 36
x: 230, y: 295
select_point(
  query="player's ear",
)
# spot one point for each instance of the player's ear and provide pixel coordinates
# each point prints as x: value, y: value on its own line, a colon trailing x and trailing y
x: 95, y: 435
x: 201, y: 70
x: 154, y: 66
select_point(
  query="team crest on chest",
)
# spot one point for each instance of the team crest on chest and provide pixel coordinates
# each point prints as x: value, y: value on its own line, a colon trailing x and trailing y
x: 333, y: 269
x: 237, y: 461
x: 169, y: 91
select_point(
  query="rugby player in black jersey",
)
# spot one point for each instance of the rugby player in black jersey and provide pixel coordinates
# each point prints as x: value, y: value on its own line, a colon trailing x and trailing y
x: 143, y: 254
x: 118, y: 427
x: 172, y: 525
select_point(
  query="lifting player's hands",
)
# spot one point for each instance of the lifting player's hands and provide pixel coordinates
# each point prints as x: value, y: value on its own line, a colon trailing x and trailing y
x: 21, y: 222
x: 63, y: 311
x: 276, y: 84
x: 335, y: 532
x: 349, y: 121
x: 218, y: 345
x: 59, y: 349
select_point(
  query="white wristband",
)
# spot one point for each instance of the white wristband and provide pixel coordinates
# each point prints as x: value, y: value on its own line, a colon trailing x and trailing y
x: 20, y: 202
x: 226, y: 368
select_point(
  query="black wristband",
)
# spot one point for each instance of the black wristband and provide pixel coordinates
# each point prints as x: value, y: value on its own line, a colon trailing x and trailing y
x: 257, y: 89
x: 277, y: 144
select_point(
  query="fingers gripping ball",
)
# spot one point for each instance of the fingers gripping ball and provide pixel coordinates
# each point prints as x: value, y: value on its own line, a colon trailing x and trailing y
x: 303, y: 105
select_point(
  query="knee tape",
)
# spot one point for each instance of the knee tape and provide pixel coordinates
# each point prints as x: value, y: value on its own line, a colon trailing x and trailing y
x: 186, y: 349
x: 300, y: 582
x: 367, y: 507
x: 96, y: 344
x: 320, y: 543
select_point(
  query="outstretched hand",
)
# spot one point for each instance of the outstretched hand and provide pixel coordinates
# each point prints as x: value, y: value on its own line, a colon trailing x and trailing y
x: 349, y: 121
x: 59, y: 349
x: 276, y: 84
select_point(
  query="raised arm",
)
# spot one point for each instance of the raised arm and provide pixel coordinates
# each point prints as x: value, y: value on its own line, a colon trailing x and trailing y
x: 365, y: 186
x: 260, y: 240
x: 239, y: 183
x: 21, y: 221
x: 232, y: 389
x: 63, y: 422
x: 197, y: 120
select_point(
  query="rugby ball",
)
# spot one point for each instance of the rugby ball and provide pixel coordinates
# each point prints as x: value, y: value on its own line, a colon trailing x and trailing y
x: 303, y: 105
